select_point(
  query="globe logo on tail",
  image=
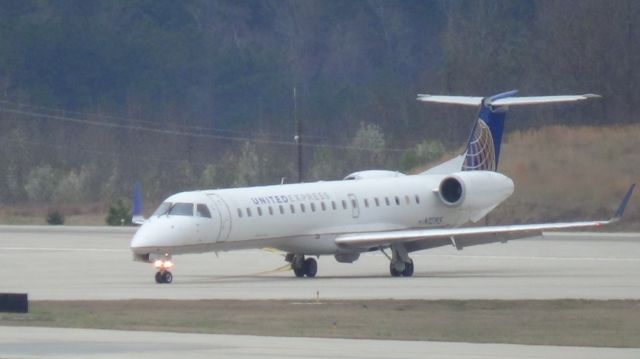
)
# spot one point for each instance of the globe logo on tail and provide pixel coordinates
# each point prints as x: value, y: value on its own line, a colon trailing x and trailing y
x: 480, y: 154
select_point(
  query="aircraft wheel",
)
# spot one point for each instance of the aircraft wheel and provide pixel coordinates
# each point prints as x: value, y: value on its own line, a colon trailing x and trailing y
x: 394, y: 272
x: 159, y: 277
x: 167, y: 277
x: 298, y: 271
x: 299, y: 267
x: 408, y: 269
x: 310, y: 267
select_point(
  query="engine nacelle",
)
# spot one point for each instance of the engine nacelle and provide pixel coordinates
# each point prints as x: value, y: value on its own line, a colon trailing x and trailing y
x: 373, y: 174
x: 474, y: 190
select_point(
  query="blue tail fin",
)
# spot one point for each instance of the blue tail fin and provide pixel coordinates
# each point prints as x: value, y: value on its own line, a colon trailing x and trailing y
x: 483, y: 148
x: 137, y: 200
x: 136, y: 211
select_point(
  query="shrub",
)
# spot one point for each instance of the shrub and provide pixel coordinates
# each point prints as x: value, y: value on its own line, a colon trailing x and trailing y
x: 41, y: 183
x: 55, y: 218
x: 119, y: 214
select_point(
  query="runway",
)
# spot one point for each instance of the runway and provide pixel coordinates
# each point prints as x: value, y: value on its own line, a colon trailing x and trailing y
x: 26, y: 342
x: 74, y: 263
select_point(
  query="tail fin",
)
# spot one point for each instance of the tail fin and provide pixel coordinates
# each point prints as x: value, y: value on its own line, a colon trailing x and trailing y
x: 136, y: 212
x: 483, y: 147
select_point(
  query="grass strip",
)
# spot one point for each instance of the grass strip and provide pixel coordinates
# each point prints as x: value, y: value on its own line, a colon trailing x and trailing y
x: 612, y: 323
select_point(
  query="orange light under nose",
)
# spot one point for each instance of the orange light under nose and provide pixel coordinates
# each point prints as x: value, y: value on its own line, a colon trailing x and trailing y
x: 160, y: 264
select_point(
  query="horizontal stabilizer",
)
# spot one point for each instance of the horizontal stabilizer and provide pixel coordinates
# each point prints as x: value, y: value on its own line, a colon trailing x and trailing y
x: 535, y: 100
x: 453, y: 100
x: 508, y: 101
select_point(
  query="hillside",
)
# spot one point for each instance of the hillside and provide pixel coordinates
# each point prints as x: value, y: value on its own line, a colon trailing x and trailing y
x: 570, y: 173
x: 98, y: 95
x: 560, y: 173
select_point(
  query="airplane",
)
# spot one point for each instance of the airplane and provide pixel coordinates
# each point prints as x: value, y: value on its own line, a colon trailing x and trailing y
x: 371, y: 210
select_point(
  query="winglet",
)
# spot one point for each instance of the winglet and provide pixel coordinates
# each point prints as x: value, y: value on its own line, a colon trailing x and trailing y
x: 136, y: 213
x: 623, y: 204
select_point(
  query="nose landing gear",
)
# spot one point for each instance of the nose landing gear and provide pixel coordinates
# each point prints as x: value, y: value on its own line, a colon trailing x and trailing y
x: 163, y: 276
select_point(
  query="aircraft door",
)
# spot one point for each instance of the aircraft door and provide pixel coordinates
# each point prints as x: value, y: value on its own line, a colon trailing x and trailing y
x: 224, y: 216
x: 355, y: 209
x: 206, y: 223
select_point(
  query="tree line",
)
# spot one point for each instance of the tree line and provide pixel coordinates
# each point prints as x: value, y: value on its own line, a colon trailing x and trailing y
x: 96, y: 95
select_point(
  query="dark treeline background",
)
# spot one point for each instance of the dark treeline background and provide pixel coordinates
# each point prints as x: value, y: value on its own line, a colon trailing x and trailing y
x: 95, y: 95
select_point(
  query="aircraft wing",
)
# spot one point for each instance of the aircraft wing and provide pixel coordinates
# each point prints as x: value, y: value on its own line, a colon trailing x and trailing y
x: 518, y: 230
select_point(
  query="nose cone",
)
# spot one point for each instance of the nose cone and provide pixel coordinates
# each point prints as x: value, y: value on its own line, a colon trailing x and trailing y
x: 143, y: 241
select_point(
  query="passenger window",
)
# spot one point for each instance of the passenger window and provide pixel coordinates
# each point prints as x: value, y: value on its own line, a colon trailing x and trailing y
x: 313, y: 207
x: 344, y: 204
x: 397, y: 200
x: 406, y: 199
x: 162, y: 209
x: 366, y: 203
x: 202, y: 211
x: 270, y: 211
x: 302, y: 207
x: 281, y: 209
x: 386, y: 200
x: 181, y: 209
x: 259, y: 211
x: 293, y: 209
x: 417, y: 199
x: 239, y: 213
x: 377, y: 202
x: 333, y: 205
x: 324, y: 208
x: 354, y: 204
x: 248, y: 212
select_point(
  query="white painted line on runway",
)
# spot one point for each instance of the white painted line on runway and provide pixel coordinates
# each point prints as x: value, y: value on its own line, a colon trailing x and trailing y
x: 603, y: 259
x: 463, y: 256
x: 593, y: 234
x: 52, y: 249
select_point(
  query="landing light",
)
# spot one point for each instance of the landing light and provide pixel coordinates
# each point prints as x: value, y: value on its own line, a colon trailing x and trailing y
x: 160, y: 264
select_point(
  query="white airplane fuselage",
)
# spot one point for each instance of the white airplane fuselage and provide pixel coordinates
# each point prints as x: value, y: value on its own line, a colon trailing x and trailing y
x: 367, y: 211
x: 305, y: 218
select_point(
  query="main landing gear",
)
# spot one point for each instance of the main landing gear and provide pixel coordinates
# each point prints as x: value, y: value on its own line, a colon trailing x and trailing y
x: 302, y: 267
x: 163, y: 276
x: 400, y: 264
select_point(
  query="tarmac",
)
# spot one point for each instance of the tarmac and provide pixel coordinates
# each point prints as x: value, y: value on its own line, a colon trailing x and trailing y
x: 85, y: 263
x: 29, y: 342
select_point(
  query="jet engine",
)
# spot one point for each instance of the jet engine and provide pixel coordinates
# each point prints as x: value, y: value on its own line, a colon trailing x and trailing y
x: 473, y: 190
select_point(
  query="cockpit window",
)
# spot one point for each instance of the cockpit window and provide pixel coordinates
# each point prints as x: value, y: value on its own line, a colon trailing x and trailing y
x: 181, y: 209
x: 163, y: 209
x: 202, y: 211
